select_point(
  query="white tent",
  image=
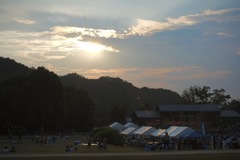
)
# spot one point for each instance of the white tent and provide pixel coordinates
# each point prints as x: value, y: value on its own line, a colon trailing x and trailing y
x: 128, y: 131
x: 130, y: 124
x: 139, y: 130
x: 158, y: 132
x: 177, y: 131
x: 117, y: 126
x: 144, y: 130
x: 169, y: 130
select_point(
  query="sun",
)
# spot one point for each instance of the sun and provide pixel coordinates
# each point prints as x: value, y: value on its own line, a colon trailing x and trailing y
x: 87, y: 46
x: 92, y: 47
x: 89, y: 49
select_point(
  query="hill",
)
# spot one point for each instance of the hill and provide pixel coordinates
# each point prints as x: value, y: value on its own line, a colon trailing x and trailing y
x: 9, y: 68
x: 107, y: 93
x: 110, y: 91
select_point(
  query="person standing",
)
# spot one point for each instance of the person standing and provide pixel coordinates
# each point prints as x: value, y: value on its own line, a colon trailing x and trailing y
x: 13, y: 149
x: 166, y: 140
x: 105, y: 143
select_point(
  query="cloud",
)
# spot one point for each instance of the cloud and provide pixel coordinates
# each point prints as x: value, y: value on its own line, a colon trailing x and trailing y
x: 183, y: 73
x: 145, y: 27
x: 148, y: 77
x: 96, y: 73
x: 142, y: 27
x: 172, y: 73
x: 218, y: 12
x: 238, y: 52
x: 224, y: 34
x: 77, y: 32
x: 56, y: 43
x: 221, y: 34
x: 24, y: 21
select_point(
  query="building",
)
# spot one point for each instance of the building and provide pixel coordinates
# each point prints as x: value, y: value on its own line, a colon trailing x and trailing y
x: 194, y: 115
x: 229, y: 122
x: 197, y: 116
x: 146, y: 118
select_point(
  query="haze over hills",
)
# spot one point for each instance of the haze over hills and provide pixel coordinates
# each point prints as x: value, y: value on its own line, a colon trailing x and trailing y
x: 106, y: 92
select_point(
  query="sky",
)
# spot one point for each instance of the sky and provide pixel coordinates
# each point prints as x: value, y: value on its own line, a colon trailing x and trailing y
x: 156, y: 43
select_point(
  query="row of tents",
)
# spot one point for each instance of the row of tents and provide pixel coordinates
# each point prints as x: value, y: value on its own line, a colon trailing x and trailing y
x: 131, y: 129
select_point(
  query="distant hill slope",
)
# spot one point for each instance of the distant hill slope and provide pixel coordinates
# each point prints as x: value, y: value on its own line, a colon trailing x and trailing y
x: 9, y: 68
x: 108, y: 92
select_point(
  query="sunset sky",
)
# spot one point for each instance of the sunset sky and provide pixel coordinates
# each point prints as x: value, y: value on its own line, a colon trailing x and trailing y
x: 154, y: 43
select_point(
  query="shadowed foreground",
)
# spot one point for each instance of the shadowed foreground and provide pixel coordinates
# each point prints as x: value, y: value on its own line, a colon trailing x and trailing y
x: 181, y: 155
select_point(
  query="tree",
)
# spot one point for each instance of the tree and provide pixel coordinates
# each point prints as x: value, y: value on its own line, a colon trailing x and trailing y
x: 233, y: 105
x: 196, y: 95
x: 118, y: 114
x: 113, y: 137
x: 45, y: 99
x: 219, y: 97
x: 189, y: 95
x: 202, y: 95
x: 33, y: 102
x: 12, y: 103
x: 79, y: 110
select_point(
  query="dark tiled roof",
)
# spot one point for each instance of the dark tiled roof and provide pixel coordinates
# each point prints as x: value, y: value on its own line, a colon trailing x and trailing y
x: 229, y: 113
x: 147, y: 114
x: 189, y: 108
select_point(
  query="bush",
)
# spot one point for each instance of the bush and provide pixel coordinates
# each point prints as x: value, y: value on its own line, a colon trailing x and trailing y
x: 113, y: 137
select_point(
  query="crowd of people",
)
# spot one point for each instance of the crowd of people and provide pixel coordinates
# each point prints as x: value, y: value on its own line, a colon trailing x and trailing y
x: 44, y: 139
x: 70, y: 148
x: 9, y: 150
x: 102, y: 143
x: 173, y: 143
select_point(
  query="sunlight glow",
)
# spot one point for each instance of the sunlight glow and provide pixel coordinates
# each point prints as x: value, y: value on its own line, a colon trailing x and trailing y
x: 92, y: 47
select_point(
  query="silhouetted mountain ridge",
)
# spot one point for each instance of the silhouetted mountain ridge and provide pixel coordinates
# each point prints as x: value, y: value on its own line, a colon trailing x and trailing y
x: 10, y: 68
x: 106, y: 92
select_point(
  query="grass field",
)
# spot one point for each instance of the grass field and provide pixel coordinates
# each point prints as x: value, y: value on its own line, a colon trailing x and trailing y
x: 28, y: 150
x: 28, y: 146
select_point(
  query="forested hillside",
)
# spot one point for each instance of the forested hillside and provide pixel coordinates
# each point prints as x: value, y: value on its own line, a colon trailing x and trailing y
x: 109, y: 93
x: 38, y: 98
x: 80, y: 101
x: 38, y: 102
x: 9, y: 68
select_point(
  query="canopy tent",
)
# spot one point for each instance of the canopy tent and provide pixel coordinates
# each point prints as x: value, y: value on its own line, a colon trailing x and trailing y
x: 158, y: 132
x: 130, y: 124
x: 128, y: 131
x: 139, y: 130
x: 117, y: 126
x: 144, y: 130
x: 169, y: 130
x: 195, y: 134
x: 177, y: 131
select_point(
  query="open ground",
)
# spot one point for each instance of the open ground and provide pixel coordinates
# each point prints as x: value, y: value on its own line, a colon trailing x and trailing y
x: 28, y: 149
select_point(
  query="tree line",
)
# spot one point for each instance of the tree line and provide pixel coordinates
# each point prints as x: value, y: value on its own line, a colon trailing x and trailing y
x: 204, y: 95
x: 39, y: 102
